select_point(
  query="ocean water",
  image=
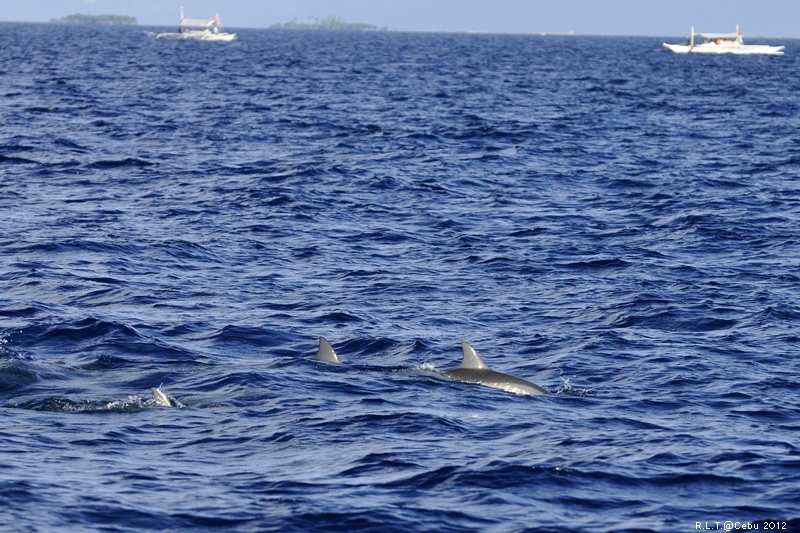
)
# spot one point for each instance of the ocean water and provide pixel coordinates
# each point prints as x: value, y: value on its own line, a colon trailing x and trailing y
x: 615, y: 223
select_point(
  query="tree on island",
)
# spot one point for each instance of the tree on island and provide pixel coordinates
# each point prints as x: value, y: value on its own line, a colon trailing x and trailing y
x: 330, y: 23
x: 79, y: 18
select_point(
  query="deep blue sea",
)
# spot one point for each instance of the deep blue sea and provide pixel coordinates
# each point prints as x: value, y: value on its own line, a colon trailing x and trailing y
x: 616, y: 223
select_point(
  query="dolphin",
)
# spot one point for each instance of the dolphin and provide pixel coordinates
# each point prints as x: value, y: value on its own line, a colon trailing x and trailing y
x: 326, y: 352
x: 473, y: 370
x: 162, y: 399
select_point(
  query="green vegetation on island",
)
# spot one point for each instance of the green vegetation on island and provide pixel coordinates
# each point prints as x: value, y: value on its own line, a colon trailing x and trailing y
x: 330, y: 23
x: 79, y: 18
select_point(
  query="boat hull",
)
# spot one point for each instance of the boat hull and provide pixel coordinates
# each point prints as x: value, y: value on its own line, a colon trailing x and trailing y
x: 198, y: 36
x: 738, y: 49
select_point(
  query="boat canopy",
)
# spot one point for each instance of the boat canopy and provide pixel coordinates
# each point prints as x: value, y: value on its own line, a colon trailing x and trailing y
x: 735, y: 37
x: 196, y: 23
x: 714, y: 36
x: 199, y: 23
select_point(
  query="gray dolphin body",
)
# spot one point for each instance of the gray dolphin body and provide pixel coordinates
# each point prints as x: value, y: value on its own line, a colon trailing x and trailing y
x: 473, y: 370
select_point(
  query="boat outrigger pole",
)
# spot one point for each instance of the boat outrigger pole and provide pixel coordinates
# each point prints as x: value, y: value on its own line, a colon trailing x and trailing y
x: 691, y: 38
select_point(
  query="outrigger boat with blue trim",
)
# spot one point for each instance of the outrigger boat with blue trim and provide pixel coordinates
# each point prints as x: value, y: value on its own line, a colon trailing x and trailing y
x: 198, y: 30
x: 722, y: 43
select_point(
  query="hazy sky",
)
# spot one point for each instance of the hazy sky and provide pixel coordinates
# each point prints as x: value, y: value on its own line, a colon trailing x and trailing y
x: 766, y: 18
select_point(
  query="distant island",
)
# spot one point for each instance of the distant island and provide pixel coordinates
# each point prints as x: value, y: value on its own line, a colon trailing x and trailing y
x: 79, y: 18
x: 330, y: 23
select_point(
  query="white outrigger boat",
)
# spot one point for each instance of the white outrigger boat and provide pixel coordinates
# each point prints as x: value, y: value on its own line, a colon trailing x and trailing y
x: 721, y: 43
x: 198, y: 30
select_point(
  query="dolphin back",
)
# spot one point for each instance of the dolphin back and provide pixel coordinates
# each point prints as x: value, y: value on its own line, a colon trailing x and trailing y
x: 473, y: 370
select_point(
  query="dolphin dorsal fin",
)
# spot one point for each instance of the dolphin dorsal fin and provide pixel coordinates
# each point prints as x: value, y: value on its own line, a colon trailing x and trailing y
x: 160, y: 397
x: 471, y: 358
x: 326, y: 352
